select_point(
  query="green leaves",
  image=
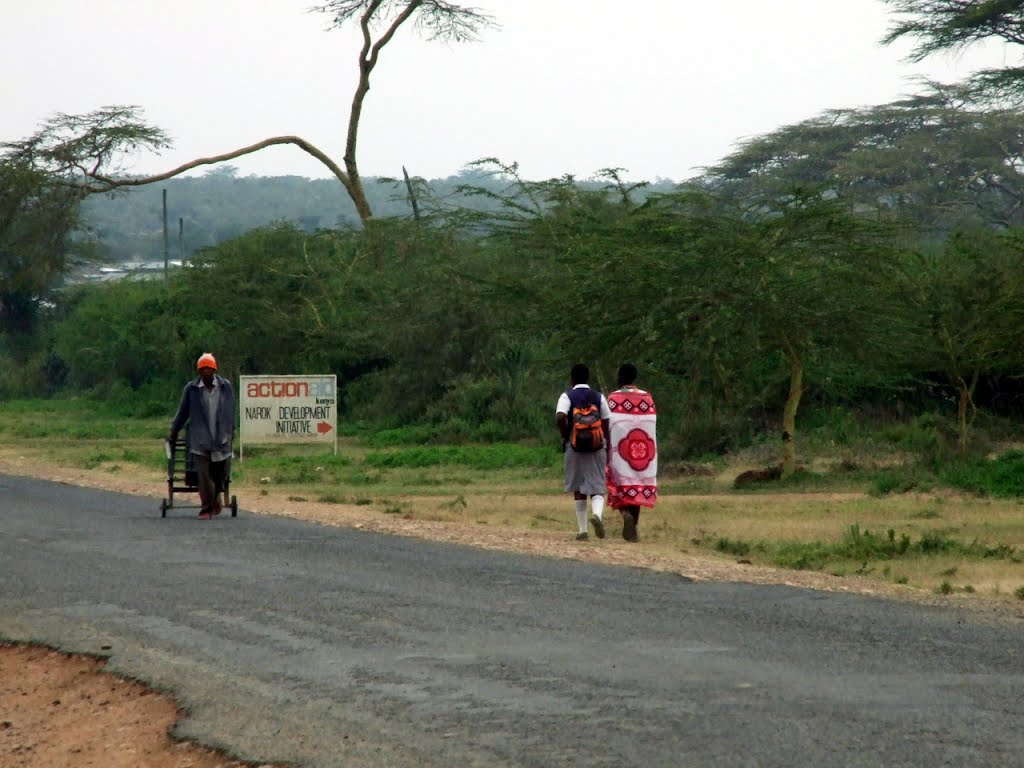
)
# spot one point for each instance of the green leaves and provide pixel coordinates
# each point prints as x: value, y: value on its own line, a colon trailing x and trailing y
x: 932, y: 159
x: 938, y: 26
x: 84, y: 151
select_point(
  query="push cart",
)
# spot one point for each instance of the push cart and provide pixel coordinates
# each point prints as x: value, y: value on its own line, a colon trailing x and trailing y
x: 183, y: 478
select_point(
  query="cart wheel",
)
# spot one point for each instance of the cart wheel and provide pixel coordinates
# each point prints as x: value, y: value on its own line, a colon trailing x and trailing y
x: 234, y: 506
x: 163, y: 508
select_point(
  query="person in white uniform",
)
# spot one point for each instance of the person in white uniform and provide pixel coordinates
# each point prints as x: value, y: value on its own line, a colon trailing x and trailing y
x: 586, y: 458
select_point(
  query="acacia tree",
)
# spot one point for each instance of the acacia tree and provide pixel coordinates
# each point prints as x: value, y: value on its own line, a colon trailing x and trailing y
x: 58, y: 149
x: 932, y: 157
x: 951, y: 25
x: 83, y: 153
x: 968, y: 307
x: 37, y: 221
x: 779, y: 299
x: 807, y: 284
x: 43, y: 180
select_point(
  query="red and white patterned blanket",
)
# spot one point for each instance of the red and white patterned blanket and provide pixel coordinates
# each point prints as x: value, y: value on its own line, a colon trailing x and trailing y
x: 632, y: 474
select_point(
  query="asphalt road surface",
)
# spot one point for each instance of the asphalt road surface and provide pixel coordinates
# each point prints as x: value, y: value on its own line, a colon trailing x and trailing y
x: 288, y: 641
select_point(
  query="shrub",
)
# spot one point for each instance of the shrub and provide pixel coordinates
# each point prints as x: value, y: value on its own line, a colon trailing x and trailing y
x: 836, y: 424
x: 889, y: 481
x: 931, y: 436
x: 803, y: 556
x: 1002, y: 477
x: 733, y: 547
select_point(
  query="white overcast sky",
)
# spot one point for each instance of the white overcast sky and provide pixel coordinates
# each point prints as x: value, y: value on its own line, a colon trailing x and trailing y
x: 658, y: 87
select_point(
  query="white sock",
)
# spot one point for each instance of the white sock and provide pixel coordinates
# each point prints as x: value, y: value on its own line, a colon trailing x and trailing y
x: 597, y: 504
x: 581, y: 514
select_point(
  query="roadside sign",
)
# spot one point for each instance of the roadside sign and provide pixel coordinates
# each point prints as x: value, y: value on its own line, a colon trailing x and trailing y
x: 287, y: 409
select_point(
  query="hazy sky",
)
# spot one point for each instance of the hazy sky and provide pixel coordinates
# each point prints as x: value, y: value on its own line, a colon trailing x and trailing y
x: 658, y: 87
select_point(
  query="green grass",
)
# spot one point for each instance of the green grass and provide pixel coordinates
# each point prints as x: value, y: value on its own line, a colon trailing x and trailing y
x: 308, y: 469
x: 402, y: 436
x: 80, y: 419
x: 477, y: 457
x: 861, y: 546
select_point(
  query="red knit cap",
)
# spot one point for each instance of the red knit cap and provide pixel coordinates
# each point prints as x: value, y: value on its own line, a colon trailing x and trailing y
x: 207, y: 361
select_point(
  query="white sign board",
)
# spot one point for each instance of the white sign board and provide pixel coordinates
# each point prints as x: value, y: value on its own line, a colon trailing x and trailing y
x: 287, y: 409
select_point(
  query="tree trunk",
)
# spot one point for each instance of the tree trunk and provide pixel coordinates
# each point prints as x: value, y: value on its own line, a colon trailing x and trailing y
x: 367, y: 61
x: 965, y: 401
x: 796, y: 390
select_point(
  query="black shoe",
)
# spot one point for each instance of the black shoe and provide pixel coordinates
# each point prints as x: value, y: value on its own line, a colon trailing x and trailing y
x: 629, y: 527
x: 582, y: 536
x: 598, y: 524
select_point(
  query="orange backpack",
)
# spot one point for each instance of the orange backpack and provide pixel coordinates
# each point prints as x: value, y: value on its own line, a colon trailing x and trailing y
x: 585, y: 432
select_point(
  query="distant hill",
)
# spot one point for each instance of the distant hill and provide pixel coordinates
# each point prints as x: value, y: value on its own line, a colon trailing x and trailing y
x: 209, y: 209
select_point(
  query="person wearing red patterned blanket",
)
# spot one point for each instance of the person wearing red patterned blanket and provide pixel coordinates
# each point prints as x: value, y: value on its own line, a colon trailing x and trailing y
x: 632, y: 469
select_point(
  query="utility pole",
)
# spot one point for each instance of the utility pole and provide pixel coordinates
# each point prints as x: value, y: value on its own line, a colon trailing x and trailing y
x: 166, y: 247
x: 181, y: 240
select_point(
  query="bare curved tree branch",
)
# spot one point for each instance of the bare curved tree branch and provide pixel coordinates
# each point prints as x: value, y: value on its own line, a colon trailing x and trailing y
x: 109, y: 183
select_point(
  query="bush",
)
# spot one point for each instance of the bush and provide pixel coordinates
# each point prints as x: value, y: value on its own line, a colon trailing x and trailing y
x: 868, y: 546
x: 118, y: 333
x: 836, y: 424
x: 931, y: 436
x: 702, y: 437
x: 800, y: 556
x: 413, y: 435
x: 733, y: 546
x: 901, y: 480
x: 1002, y: 477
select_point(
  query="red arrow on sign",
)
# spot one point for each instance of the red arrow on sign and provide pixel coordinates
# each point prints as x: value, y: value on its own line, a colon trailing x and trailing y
x: 323, y: 427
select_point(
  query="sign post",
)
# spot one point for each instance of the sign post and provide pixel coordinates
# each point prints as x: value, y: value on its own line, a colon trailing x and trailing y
x: 287, y: 409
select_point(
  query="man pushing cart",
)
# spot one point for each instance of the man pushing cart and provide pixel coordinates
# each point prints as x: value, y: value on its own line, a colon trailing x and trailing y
x: 208, y: 407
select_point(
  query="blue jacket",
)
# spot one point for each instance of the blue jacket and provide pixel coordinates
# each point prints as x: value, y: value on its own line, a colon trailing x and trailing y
x: 202, y: 436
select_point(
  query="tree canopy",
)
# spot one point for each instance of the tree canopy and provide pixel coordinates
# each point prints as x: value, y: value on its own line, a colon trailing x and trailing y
x: 938, y: 161
x: 38, y: 220
x: 950, y: 25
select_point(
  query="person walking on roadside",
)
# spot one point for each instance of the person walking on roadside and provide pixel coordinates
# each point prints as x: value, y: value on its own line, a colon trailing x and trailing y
x: 208, y: 405
x: 581, y: 416
x: 632, y: 451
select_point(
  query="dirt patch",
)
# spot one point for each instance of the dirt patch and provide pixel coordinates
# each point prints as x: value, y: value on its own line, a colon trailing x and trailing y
x: 60, y: 710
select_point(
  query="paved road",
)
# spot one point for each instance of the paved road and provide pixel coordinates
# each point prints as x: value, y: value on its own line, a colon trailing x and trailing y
x: 333, y: 647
